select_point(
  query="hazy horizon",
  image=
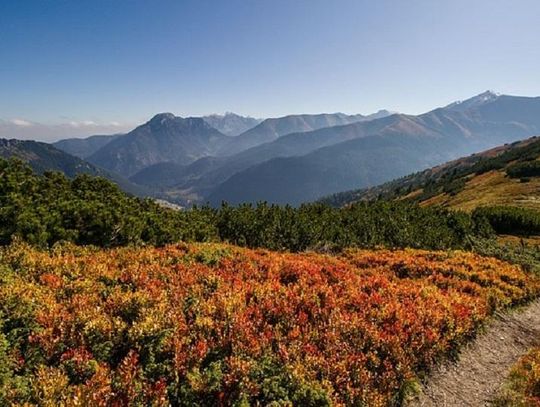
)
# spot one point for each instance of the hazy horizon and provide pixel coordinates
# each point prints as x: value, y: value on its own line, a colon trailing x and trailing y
x: 73, y: 69
x: 22, y: 129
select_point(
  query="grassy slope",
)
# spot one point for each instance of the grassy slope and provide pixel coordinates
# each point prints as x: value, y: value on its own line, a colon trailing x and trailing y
x: 491, y: 188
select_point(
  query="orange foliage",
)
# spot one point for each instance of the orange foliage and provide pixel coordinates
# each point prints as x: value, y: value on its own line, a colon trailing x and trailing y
x: 218, y: 324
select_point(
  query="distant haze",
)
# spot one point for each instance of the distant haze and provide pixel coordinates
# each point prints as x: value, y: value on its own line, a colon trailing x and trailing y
x: 104, y: 62
x: 26, y: 130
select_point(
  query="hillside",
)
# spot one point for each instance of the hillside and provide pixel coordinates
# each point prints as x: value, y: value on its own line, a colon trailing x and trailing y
x: 294, y: 180
x: 44, y: 157
x: 84, y: 147
x: 505, y: 175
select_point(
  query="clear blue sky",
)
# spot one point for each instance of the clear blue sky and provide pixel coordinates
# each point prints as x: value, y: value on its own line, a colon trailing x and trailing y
x: 123, y: 61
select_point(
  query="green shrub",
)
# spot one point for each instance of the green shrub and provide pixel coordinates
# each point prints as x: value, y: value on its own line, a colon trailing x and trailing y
x: 455, y: 186
x: 43, y: 210
x: 524, y: 169
x: 510, y: 220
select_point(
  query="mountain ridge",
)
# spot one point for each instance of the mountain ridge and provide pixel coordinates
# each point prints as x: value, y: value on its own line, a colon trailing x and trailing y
x: 84, y: 147
x: 164, y: 137
x: 231, y: 124
x: 274, y: 128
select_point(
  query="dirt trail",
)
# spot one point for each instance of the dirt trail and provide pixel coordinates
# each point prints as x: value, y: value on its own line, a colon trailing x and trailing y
x: 483, y: 365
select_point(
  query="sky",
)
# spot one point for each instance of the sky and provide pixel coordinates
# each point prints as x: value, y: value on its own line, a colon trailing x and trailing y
x: 99, y: 66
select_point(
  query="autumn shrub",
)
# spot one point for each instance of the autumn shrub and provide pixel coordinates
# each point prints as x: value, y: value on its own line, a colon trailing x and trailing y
x: 213, y: 324
x: 522, y: 387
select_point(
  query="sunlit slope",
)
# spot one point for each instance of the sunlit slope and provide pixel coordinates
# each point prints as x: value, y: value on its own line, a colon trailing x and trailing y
x: 490, y: 189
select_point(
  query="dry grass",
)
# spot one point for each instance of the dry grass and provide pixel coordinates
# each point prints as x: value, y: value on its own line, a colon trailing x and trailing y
x: 519, y: 240
x: 491, y: 188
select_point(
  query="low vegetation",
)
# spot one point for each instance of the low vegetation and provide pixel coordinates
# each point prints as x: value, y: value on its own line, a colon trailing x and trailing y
x: 524, y: 169
x: 515, y: 251
x: 44, y: 209
x: 213, y: 324
x: 522, y: 388
x: 99, y: 308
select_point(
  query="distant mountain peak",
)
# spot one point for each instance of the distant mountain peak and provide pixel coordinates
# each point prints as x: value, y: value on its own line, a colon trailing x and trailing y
x: 380, y: 114
x: 230, y: 123
x: 162, y: 117
x: 486, y: 96
x: 478, y: 100
x: 490, y: 93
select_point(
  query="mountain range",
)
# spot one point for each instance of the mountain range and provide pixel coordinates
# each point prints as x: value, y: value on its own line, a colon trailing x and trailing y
x: 378, y: 153
x: 299, y: 158
x: 272, y: 129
